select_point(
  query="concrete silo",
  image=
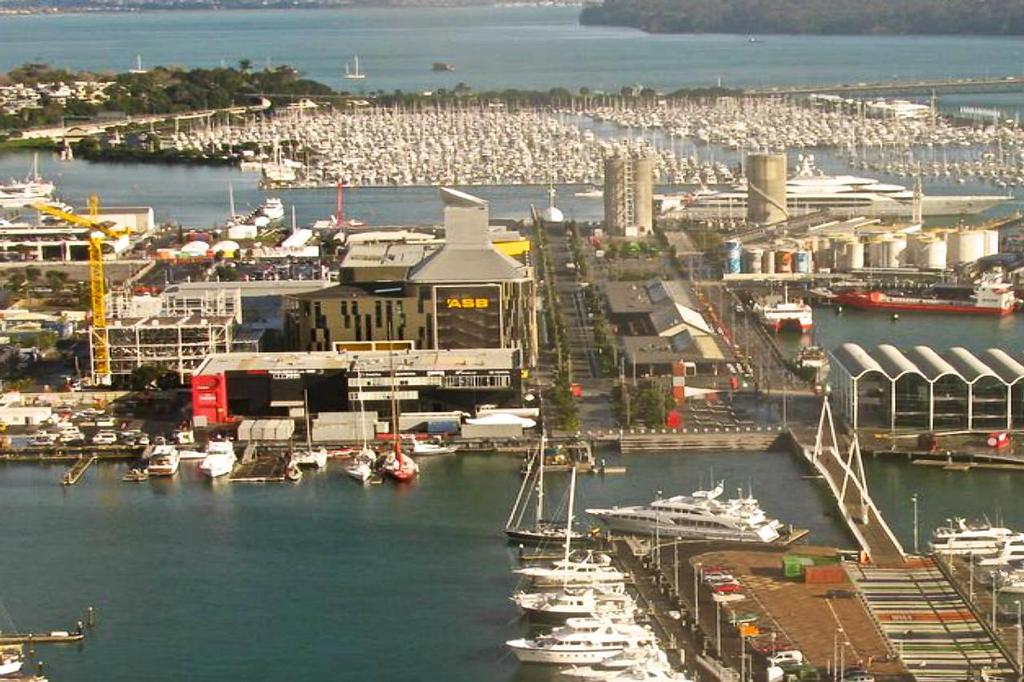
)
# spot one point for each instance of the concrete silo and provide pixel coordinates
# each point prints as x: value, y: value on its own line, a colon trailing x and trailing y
x: 766, y: 188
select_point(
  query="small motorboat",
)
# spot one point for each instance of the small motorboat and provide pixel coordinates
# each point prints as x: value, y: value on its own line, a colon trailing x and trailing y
x: 293, y: 473
x: 135, y: 475
x: 310, y: 458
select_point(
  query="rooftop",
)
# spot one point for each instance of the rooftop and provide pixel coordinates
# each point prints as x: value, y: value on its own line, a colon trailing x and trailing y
x: 930, y: 364
x: 363, y: 361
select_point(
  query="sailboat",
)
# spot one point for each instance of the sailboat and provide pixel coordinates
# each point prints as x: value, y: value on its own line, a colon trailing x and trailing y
x: 398, y: 466
x: 354, y: 74
x: 541, y: 531
x: 361, y: 466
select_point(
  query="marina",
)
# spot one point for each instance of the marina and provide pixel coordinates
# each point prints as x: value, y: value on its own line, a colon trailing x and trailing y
x: 733, y: 528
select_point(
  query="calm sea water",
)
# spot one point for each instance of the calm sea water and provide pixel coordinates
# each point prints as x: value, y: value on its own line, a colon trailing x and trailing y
x: 323, y: 580
x: 490, y: 48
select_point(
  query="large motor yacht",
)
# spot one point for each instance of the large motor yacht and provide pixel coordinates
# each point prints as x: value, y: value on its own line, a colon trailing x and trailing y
x: 959, y: 537
x: 164, y: 461
x: 586, y: 644
x: 701, y: 515
x: 583, y: 568
x: 845, y: 196
x: 576, y: 602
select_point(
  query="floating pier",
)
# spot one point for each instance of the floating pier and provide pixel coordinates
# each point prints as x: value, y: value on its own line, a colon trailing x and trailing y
x: 270, y: 469
x: 77, y: 469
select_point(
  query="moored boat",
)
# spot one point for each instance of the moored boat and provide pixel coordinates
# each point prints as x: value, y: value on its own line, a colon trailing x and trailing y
x: 987, y: 298
x: 219, y: 460
x: 164, y: 461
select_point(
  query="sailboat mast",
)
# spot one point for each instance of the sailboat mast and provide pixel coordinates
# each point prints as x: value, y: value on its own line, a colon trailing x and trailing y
x: 519, y: 497
x: 305, y: 411
x: 394, y: 398
x: 568, y: 519
x: 540, y: 478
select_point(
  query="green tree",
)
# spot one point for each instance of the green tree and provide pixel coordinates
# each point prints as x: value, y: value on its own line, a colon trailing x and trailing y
x: 145, y: 377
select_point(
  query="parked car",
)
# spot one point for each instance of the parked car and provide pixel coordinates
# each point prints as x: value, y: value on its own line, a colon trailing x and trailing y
x: 43, y: 440
x: 105, y: 422
x: 104, y: 438
x: 840, y: 594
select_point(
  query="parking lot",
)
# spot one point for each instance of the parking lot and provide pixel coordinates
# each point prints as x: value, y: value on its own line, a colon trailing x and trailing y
x: 931, y: 627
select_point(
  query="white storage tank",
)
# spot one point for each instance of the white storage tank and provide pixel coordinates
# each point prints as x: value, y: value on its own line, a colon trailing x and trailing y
x: 965, y: 246
x: 991, y: 242
x: 932, y: 255
x: 752, y: 260
x: 874, y: 254
x: 854, y: 257
x: 894, y: 254
x: 768, y: 262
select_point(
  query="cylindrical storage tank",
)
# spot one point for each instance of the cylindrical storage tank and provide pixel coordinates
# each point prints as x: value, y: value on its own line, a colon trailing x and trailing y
x: 966, y: 246
x: 754, y: 258
x: 768, y: 262
x: 802, y: 262
x: 874, y: 254
x: 855, y: 256
x: 766, y: 188
x: 991, y: 242
x: 783, y: 261
x: 933, y: 255
x: 897, y: 246
x: 733, y: 255
x: 643, y: 193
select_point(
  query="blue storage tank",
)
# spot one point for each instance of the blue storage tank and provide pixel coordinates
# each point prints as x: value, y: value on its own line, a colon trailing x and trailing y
x: 732, y: 264
x: 802, y: 262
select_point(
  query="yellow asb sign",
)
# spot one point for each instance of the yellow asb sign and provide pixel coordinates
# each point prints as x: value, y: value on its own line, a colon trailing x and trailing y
x: 468, y: 303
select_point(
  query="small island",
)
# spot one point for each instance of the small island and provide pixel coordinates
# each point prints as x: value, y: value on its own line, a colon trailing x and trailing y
x: 821, y: 17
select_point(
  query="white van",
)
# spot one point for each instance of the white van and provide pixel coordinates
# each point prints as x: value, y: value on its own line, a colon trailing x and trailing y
x: 787, y: 656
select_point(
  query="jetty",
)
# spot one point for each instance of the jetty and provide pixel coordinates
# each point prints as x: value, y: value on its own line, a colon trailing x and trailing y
x: 55, y: 637
x: 77, y: 469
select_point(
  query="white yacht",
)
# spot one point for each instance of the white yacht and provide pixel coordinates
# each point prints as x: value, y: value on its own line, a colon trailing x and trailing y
x: 11, y: 661
x: 627, y: 659
x: 959, y: 537
x: 701, y: 515
x: 604, y: 600
x: 219, y: 460
x: 845, y: 196
x: 310, y: 458
x: 652, y: 669
x: 1011, y: 550
x: 568, y: 645
x: 21, y: 193
x: 164, y: 461
x: 361, y: 466
x: 272, y: 208
x: 583, y: 568
x: 434, y: 446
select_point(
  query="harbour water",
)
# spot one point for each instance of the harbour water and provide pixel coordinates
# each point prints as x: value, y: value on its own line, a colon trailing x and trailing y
x: 325, y: 580
x: 493, y: 48
x: 322, y: 580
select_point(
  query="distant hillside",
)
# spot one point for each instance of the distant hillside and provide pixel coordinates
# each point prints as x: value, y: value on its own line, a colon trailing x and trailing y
x: 980, y: 17
x: 12, y: 6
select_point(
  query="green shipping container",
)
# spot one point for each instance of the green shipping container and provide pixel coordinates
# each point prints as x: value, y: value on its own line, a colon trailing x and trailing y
x: 793, y: 565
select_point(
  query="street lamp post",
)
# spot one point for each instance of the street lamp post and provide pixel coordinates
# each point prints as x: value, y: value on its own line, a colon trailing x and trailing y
x: 696, y: 593
x: 657, y: 536
x: 913, y: 499
x: 995, y: 598
x: 718, y: 628
x: 971, y: 576
x: 1020, y: 644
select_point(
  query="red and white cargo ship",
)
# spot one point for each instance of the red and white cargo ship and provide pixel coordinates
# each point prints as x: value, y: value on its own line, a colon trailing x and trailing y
x: 988, y: 298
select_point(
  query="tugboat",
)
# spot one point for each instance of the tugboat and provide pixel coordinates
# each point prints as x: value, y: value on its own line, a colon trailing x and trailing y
x: 811, y: 363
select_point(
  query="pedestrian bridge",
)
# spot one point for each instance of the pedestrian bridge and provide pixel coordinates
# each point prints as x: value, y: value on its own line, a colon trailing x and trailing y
x: 843, y: 471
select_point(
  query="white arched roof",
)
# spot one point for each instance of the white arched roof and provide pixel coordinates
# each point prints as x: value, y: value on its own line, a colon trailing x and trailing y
x: 931, y: 364
x: 1003, y: 364
x: 969, y: 366
x: 894, y: 363
x: 856, y: 360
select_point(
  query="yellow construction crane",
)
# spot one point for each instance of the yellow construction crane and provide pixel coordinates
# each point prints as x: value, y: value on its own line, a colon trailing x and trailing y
x: 99, y: 232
